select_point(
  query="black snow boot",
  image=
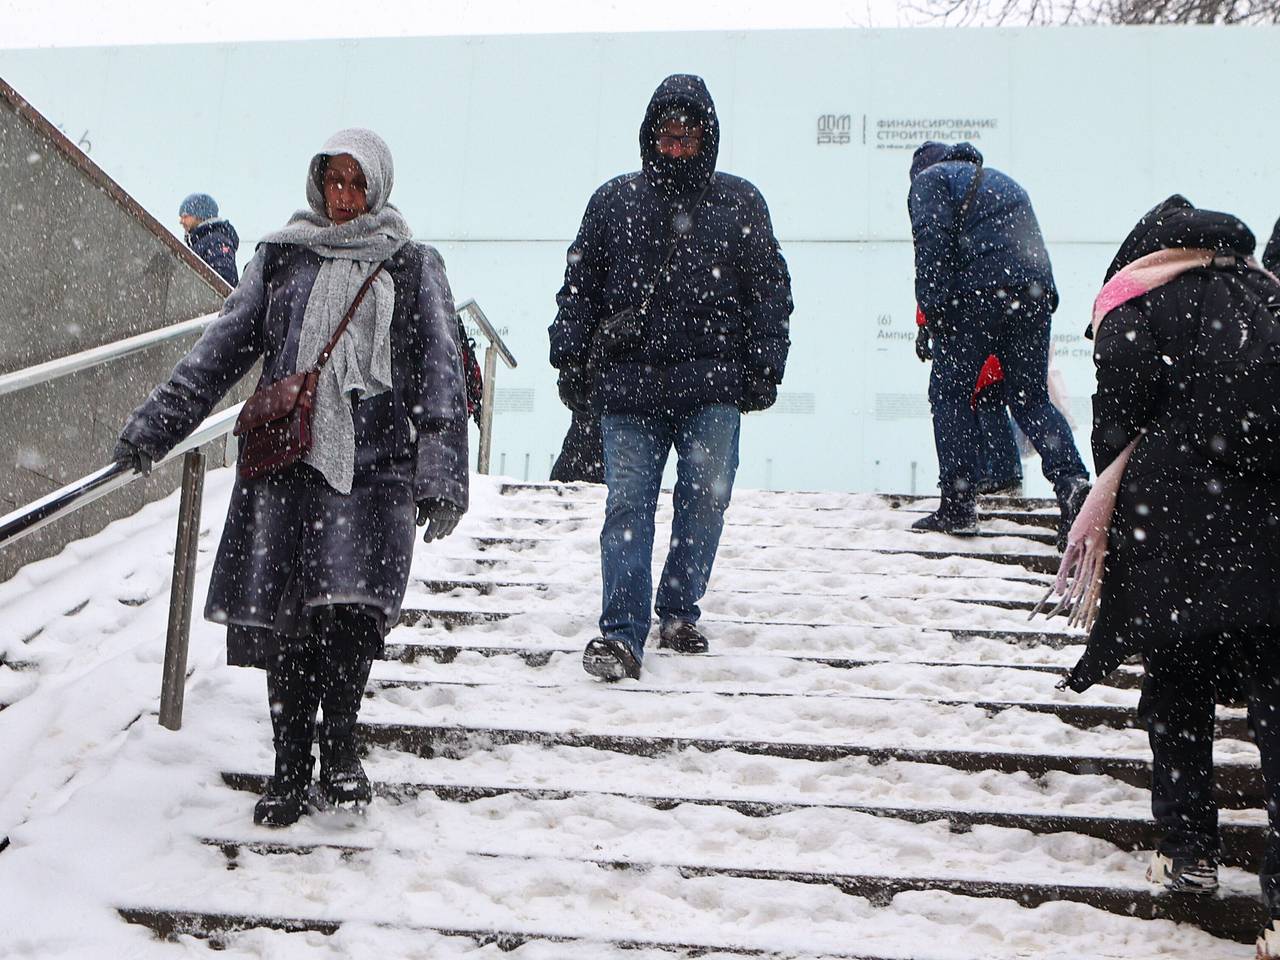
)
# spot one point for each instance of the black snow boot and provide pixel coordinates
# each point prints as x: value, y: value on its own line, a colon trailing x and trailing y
x: 1071, y: 497
x: 957, y: 515
x: 342, y: 777
x: 610, y: 658
x: 286, y: 797
x: 682, y: 637
x: 294, y: 695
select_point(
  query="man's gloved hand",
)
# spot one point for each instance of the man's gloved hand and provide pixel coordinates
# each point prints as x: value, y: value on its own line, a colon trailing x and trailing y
x: 440, y: 517
x: 575, y: 389
x: 759, y: 392
x: 137, y: 458
x: 923, y: 350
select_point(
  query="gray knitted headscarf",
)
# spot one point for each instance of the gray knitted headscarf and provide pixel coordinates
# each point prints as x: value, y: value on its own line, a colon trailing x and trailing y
x: 361, y: 363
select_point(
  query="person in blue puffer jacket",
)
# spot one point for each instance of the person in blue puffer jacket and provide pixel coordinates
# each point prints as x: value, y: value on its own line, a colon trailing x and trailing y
x: 984, y: 281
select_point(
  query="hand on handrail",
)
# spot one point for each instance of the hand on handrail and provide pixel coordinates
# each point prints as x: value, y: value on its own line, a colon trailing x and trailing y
x: 129, y: 453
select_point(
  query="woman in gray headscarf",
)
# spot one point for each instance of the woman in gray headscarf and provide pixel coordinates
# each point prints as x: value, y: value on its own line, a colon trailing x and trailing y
x: 314, y: 558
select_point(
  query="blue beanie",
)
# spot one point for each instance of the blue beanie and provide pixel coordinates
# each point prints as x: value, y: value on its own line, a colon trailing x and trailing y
x: 199, y: 205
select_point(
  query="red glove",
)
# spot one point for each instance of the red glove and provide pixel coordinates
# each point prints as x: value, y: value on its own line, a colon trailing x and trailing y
x: 990, y: 374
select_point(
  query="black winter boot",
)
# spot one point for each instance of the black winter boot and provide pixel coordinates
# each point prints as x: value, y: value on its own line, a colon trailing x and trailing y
x: 1071, y: 497
x: 342, y: 777
x: 957, y: 514
x: 294, y: 694
x: 286, y: 797
x: 682, y: 637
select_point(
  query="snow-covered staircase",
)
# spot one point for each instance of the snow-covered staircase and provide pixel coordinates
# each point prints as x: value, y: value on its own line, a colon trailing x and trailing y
x: 873, y: 761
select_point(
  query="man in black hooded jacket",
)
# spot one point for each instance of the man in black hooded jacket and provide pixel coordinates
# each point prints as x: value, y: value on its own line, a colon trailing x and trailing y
x: 673, y: 318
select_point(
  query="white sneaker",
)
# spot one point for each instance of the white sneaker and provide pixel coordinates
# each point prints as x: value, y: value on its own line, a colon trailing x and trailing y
x: 1183, y: 874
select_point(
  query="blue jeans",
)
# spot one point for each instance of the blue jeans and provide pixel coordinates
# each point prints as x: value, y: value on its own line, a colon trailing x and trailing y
x: 1016, y: 329
x: 635, y: 453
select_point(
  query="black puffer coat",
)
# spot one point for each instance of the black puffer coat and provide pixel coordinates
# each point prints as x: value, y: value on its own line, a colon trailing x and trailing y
x: 291, y: 542
x: 1194, y: 550
x: 719, y: 315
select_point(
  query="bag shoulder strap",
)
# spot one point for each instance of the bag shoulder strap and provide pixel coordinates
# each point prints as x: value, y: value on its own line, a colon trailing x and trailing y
x: 351, y: 312
x: 969, y: 194
x: 671, y: 248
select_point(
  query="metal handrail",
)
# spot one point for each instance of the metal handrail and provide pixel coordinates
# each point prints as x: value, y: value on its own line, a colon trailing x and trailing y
x: 27, y: 520
x: 75, y: 362
x: 472, y: 309
x: 497, y: 348
x: 79, y: 493
x: 65, y: 500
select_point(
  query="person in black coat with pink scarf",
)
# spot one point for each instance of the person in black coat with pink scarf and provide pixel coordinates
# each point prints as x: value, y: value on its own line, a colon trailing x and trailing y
x: 314, y: 559
x: 1192, y: 560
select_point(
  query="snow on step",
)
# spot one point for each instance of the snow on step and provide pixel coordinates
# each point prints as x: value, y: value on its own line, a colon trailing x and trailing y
x: 849, y: 853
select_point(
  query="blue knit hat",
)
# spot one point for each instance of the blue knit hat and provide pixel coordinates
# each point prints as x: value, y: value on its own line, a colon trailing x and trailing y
x: 199, y: 205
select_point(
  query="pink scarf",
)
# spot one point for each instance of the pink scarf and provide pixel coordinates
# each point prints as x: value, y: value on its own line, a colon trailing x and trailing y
x: 1079, y: 581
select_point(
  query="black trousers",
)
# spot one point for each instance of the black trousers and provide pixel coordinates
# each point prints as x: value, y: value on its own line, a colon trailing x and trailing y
x: 1178, y: 707
x: 329, y: 670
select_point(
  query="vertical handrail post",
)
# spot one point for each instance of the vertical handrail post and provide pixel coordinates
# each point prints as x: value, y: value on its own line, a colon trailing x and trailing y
x: 181, y: 595
x: 486, y: 410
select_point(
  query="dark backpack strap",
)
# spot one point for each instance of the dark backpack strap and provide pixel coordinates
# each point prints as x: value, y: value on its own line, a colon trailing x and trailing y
x: 351, y: 312
x: 969, y: 194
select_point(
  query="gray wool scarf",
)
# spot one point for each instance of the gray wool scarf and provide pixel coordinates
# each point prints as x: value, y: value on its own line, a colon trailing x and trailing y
x: 361, y: 363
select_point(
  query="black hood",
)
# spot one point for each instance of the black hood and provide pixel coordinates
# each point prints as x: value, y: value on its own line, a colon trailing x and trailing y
x: 932, y: 151
x: 686, y: 92
x: 1176, y: 224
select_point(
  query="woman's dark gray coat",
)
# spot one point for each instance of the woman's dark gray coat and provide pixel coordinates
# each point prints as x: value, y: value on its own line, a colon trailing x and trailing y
x: 291, y: 542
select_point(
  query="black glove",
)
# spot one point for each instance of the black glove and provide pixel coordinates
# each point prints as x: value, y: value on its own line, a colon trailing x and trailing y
x: 128, y: 453
x: 922, y: 345
x: 575, y: 389
x: 439, y: 517
x: 758, y: 393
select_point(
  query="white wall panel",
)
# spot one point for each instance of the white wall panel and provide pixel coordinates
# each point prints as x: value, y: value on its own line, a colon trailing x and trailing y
x: 500, y: 140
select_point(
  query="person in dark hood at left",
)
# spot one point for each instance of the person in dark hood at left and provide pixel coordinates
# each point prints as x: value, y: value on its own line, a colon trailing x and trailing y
x: 673, y: 320
x: 213, y: 239
x: 314, y: 558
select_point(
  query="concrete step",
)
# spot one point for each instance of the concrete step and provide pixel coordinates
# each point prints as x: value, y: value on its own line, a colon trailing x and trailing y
x: 1234, y: 917
x: 1082, y: 715
x: 487, y: 588
x: 1046, y: 563
x: 218, y: 928
x: 540, y: 656
x: 449, y: 619
x: 1243, y: 843
x: 1238, y: 785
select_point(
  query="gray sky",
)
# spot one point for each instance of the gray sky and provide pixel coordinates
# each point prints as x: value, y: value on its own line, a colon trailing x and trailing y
x: 46, y: 23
